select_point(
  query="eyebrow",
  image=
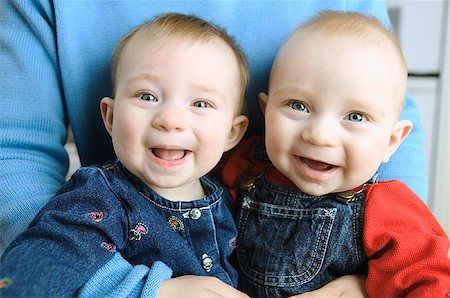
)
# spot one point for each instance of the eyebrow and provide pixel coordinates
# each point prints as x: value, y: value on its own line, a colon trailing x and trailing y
x: 205, y: 88
x: 202, y: 88
x: 196, y: 86
x: 293, y: 90
x: 363, y: 105
x: 143, y: 76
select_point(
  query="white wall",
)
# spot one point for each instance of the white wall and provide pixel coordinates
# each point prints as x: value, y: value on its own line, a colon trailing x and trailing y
x: 440, y: 185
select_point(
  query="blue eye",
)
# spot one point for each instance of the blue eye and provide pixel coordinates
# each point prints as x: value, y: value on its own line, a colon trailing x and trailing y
x: 148, y: 97
x: 200, y: 104
x: 299, y: 106
x: 355, y: 117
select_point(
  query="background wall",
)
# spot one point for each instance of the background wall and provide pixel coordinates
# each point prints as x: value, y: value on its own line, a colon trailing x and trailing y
x: 440, y: 188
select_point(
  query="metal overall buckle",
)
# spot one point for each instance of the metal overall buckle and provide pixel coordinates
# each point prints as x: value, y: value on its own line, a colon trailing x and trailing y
x: 349, y: 196
x: 248, y: 181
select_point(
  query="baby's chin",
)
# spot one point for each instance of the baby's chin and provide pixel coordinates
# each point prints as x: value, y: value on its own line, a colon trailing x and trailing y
x: 316, y: 189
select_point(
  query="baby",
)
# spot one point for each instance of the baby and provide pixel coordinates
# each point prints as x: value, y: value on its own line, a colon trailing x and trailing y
x: 311, y: 206
x: 179, y: 85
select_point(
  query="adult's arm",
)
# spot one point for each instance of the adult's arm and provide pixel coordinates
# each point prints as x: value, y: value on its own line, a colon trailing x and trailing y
x: 33, y: 161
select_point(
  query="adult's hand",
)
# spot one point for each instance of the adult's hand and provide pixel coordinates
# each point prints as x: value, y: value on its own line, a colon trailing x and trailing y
x: 344, y: 286
x: 198, y: 286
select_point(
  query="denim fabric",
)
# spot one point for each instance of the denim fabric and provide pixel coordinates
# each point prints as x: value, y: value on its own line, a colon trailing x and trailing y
x: 290, y: 242
x: 104, y: 210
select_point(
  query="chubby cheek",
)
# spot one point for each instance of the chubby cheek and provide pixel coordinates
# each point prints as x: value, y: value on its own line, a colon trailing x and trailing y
x: 212, y: 154
x: 214, y: 141
x: 277, y: 151
x: 126, y: 133
x: 278, y: 138
x: 211, y: 141
x: 362, y: 161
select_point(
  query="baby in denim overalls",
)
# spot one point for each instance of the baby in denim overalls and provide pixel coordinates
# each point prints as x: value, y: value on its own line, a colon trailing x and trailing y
x: 311, y: 207
x: 179, y: 86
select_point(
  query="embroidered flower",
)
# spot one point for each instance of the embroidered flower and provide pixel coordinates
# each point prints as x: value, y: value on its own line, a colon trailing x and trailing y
x: 176, y: 223
x: 95, y: 216
x: 232, y: 243
x: 109, y: 247
x: 5, y: 282
x: 139, y: 230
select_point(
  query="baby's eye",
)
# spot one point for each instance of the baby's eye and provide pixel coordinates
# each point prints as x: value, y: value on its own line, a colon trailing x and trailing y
x: 201, y: 104
x: 355, y: 117
x: 148, y: 97
x: 299, y: 106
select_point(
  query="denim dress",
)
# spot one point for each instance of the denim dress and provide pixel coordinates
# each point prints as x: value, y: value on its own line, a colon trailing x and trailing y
x: 290, y: 242
x: 102, y: 210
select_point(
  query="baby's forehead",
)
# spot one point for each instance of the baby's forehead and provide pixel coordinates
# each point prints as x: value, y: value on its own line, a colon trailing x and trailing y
x: 360, y: 67
x: 373, y: 38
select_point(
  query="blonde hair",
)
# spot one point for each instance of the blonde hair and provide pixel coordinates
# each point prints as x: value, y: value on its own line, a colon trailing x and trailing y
x: 366, y: 27
x: 188, y: 27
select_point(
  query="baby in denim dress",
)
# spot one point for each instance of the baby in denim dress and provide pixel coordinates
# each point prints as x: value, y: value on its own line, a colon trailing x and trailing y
x: 311, y: 206
x: 179, y: 85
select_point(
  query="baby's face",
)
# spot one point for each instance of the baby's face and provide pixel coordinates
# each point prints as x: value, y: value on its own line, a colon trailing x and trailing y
x: 331, y: 111
x: 173, y: 111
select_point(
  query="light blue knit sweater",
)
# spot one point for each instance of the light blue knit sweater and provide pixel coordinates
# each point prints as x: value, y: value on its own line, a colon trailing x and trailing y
x: 54, y: 69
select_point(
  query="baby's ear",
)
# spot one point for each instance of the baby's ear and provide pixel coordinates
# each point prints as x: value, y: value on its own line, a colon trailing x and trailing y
x: 399, y: 133
x: 238, y: 129
x: 107, y: 108
x: 263, y: 97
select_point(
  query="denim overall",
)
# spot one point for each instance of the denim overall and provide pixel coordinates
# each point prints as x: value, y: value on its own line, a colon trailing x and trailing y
x: 290, y: 242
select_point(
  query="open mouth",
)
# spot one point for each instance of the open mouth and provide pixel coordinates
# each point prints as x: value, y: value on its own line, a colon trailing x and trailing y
x: 169, y: 154
x: 317, y: 165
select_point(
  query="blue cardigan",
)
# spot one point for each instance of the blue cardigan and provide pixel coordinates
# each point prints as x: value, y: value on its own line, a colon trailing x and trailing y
x: 54, y: 69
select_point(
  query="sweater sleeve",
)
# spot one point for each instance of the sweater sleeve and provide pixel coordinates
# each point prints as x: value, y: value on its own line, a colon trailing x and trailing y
x: 406, y: 247
x: 33, y: 161
x: 118, y: 278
